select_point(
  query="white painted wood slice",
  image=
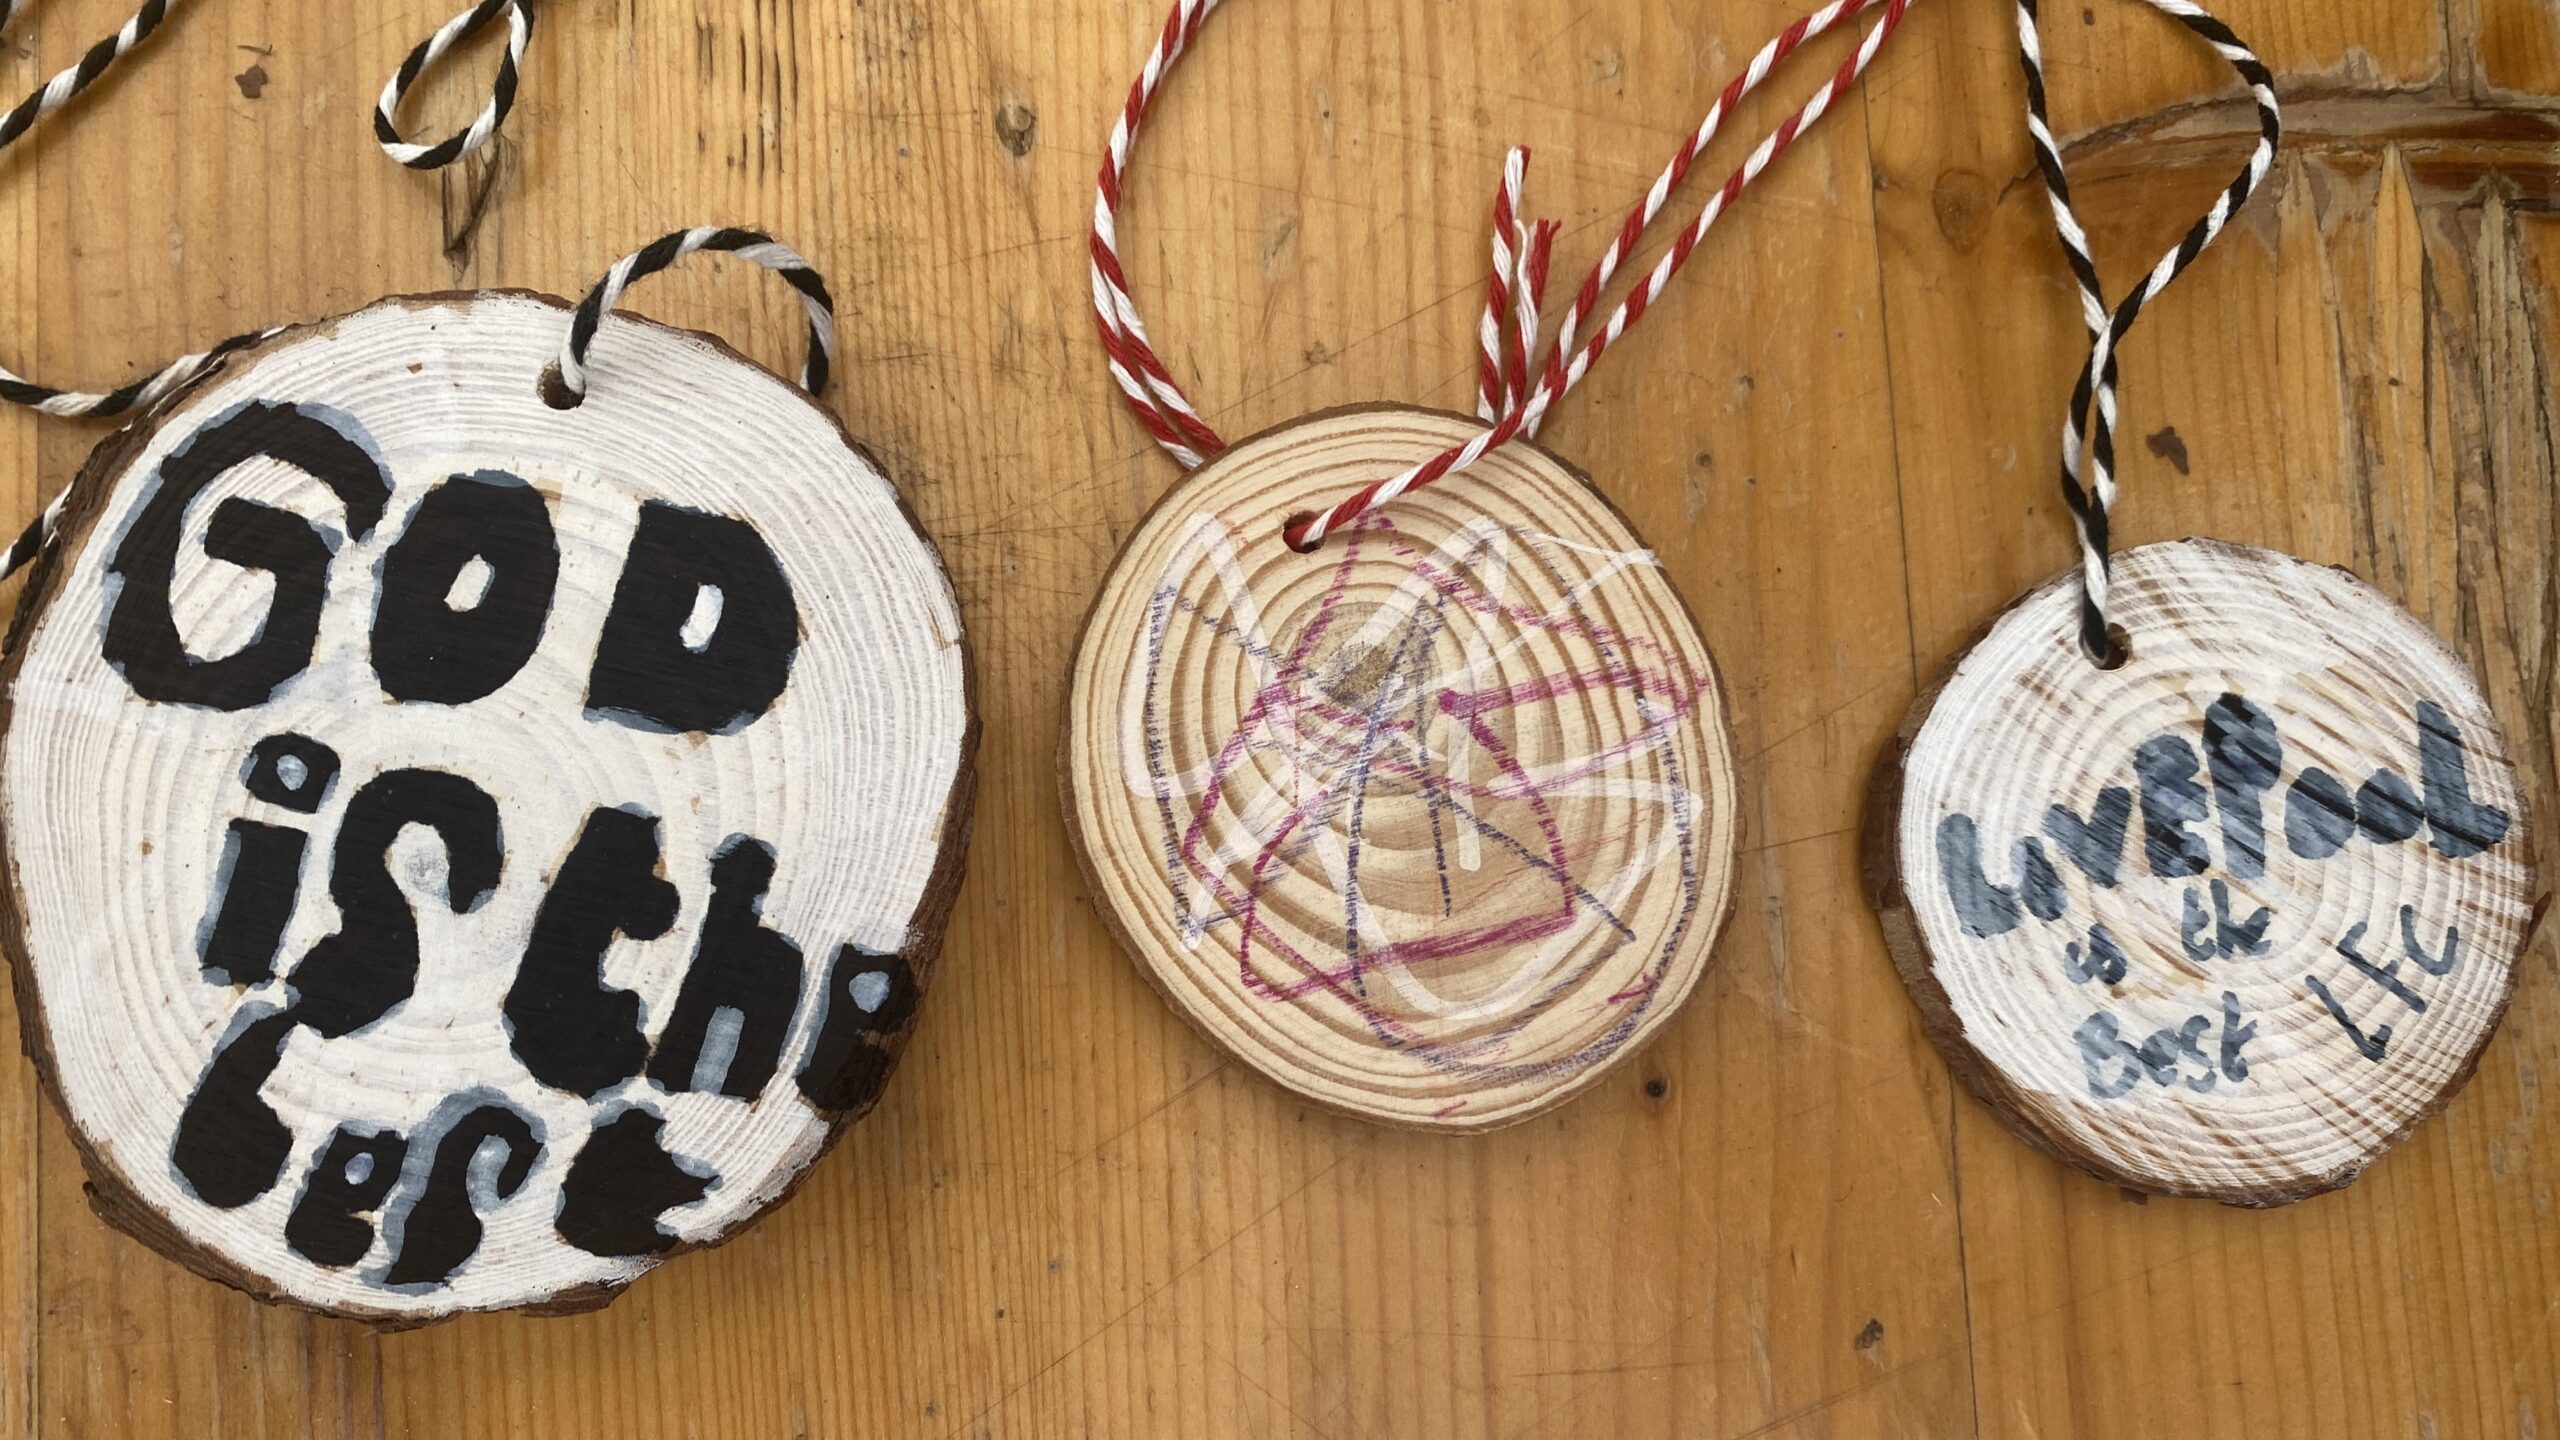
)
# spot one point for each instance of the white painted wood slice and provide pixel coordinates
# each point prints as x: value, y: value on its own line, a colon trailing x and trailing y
x: 1431, y: 826
x: 463, y: 851
x: 2229, y: 919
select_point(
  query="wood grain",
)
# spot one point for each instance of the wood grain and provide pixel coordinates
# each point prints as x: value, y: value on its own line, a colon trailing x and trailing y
x: 1072, y: 1216
x: 643, y: 728
x: 1434, y: 826
x: 2285, y: 846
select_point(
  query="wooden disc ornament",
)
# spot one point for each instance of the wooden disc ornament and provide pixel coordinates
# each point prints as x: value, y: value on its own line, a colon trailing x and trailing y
x: 464, y: 850
x: 2206, y: 865
x: 1430, y: 826
x: 2225, y: 920
x: 1390, y: 751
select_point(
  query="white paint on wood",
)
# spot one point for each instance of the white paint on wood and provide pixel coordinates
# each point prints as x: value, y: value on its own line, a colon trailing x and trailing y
x: 116, y: 808
x: 2256, y: 1089
x: 703, y: 620
x: 1432, y: 826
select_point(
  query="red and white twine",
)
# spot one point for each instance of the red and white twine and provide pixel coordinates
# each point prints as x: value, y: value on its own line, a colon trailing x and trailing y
x: 1521, y: 251
x: 1509, y: 332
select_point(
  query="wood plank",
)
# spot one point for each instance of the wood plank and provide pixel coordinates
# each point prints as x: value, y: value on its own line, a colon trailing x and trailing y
x: 2317, y: 348
x: 1071, y: 1216
x: 23, y: 1117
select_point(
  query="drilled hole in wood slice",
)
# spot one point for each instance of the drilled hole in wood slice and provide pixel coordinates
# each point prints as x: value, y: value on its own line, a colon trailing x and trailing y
x: 2227, y: 920
x: 554, y: 389
x: 1433, y: 825
x: 464, y: 851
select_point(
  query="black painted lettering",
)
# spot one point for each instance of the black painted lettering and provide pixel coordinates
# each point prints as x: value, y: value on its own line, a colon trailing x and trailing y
x: 2172, y: 801
x: 869, y: 1000
x: 2461, y: 827
x: 2242, y: 937
x: 142, y: 640
x: 2214, y: 935
x: 2372, y: 1046
x: 350, y: 979
x: 2039, y: 889
x: 2387, y: 810
x: 2388, y: 977
x: 292, y: 771
x: 2165, y: 1051
x: 2245, y: 756
x: 1985, y: 907
x: 261, y: 874
x: 619, y: 1184
x: 2194, y: 927
x: 2319, y: 815
x: 253, y: 901
x: 569, y: 1028
x: 348, y: 1183
x: 427, y: 650
x: 2113, y: 1067
x: 2095, y: 845
x: 2105, y: 960
x: 644, y: 669
x: 2235, y: 1034
x: 2438, y: 965
x: 742, y: 969
x: 442, y: 1227
x: 231, y: 1147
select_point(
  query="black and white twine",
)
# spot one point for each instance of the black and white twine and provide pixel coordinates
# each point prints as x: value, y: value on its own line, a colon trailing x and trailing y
x: 568, y: 384
x: 502, y: 92
x: 2095, y: 390
x: 91, y: 66
x: 571, y: 374
x: 55, y: 93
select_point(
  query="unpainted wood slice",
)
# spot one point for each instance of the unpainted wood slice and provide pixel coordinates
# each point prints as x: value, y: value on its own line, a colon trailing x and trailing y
x: 464, y: 851
x: 1431, y: 826
x: 2229, y: 919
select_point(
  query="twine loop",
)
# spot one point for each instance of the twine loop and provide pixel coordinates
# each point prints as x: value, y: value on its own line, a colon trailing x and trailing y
x: 565, y: 386
x: 502, y: 91
x: 568, y: 381
x: 2094, y: 393
x: 93, y: 65
x: 1508, y: 334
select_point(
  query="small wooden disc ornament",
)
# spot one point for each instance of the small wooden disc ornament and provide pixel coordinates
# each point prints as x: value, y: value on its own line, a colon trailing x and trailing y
x: 2226, y: 920
x: 461, y: 850
x: 1431, y: 825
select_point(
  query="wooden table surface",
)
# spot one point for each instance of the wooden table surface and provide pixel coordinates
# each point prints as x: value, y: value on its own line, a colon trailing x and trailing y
x: 1073, y: 1216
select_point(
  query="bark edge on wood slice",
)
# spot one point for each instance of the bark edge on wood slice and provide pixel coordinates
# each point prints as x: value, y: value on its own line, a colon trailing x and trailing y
x: 2164, y: 947
x: 1476, y: 733
x: 318, y: 851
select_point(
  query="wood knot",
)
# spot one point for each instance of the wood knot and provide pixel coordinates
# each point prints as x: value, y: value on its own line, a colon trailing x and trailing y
x: 1962, y: 201
x: 1016, y: 124
x: 1371, y: 664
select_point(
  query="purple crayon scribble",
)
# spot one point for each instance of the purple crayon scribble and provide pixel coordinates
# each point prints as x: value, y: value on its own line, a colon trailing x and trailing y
x: 1327, y: 735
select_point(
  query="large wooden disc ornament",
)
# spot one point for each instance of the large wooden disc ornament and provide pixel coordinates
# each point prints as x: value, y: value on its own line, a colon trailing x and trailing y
x: 1431, y: 825
x: 2229, y: 919
x: 463, y: 851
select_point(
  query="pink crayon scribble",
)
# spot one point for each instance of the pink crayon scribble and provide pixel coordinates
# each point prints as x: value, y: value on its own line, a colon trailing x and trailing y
x: 1325, y: 751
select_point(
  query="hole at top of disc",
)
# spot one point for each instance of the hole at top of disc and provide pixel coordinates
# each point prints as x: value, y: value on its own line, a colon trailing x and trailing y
x: 2119, y: 650
x: 1293, y: 529
x: 556, y: 392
